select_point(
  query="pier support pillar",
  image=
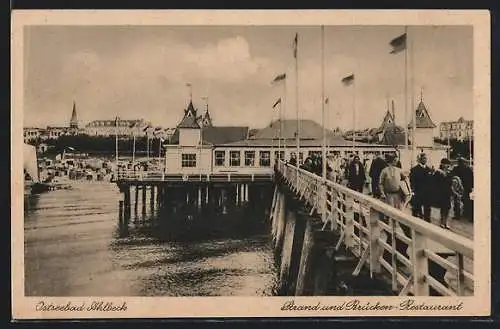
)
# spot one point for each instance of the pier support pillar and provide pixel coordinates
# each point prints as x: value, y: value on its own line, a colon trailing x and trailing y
x: 143, y: 187
x: 292, y: 246
x: 316, y: 272
x: 223, y: 198
x: 206, y: 195
x: 199, y: 198
x: 127, y: 202
x: 136, y: 200
x: 152, y: 199
x: 280, y: 223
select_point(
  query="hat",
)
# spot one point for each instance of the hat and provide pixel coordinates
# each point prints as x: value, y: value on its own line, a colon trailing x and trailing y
x: 445, y: 161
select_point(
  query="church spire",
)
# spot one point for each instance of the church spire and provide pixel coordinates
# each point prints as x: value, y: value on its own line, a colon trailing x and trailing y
x: 73, y: 122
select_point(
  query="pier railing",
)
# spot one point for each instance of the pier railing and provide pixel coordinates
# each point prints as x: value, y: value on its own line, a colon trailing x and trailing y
x: 367, y: 227
x: 125, y: 175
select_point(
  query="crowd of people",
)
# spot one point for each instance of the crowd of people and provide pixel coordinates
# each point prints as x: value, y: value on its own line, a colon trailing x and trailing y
x: 447, y: 188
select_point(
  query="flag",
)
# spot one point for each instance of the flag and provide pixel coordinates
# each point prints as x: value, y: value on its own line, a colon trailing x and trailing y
x: 277, y: 102
x: 279, y: 77
x: 398, y: 44
x: 295, y: 45
x: 188, y: 84
x: 348, y: 80
x: 146, y: 128
x: 326, y: 100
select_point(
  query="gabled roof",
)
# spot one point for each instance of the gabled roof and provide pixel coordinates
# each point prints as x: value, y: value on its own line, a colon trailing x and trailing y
x: 309, y: 129
x: 388, y: 120
x: 189, y: 121
x: 217, y: 135
x: 224, y: 135
x: 207, y: 120
x: 423, y: 118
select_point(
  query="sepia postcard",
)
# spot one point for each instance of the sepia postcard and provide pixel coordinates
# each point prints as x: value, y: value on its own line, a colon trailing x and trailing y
x: 225, y: 163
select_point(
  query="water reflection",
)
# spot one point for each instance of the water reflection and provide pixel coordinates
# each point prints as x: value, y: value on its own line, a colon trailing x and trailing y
x: 75, y: 245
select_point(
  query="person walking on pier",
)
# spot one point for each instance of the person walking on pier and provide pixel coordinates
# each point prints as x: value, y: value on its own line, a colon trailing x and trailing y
x: 420, y: 177
x: 465, y: 174
x: 293, y: 159
x: 377, y: 165
x: 390, y: 183
x: 442, y: 191
x: 356, y: 176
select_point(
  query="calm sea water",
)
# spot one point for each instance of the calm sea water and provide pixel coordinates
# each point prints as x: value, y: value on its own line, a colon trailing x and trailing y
x: 74, y: 246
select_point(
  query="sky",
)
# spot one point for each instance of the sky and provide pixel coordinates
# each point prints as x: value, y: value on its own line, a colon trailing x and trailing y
x: 142, y: 71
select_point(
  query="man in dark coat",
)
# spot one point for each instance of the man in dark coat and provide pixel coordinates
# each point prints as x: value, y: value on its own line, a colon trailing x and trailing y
x: 420, y: 180
x: 356, y: 178
x: 293, y: 160
x: 464, y: 172
x: 375, y: 169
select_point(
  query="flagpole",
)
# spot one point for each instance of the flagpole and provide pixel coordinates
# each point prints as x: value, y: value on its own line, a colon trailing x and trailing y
x: 147, y: 145
x: 283, y: 102
x: 323, y: 151
x: 297, y: 136
x: 413, y: 110
x: 133, y: 148
x: 406, y: 93
x: 353, y: 115
x: 116, y: 141
x: 323, y: 156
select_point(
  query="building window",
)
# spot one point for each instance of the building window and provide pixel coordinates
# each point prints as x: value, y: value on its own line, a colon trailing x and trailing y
x: 249, y: 158
x: 234, y: 158
x: 265, y: 160
x: 281, y: 155
x: 188, y: 160
x: 220, y: 158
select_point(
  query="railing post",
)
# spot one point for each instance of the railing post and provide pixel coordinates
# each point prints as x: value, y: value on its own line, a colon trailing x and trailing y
x: 460, y: 275
x: 420, y: 264
x: 374, y: 245
x: 334, y: 210
x: 349, y: 222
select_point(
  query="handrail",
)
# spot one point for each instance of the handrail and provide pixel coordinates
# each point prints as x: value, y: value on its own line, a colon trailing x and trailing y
x: 337, y: 204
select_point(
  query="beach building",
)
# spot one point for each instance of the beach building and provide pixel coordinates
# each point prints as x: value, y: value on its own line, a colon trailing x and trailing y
x: 200, y: 147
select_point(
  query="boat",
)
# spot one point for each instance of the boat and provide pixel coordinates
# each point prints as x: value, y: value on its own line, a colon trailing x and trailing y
x: 30, y: 164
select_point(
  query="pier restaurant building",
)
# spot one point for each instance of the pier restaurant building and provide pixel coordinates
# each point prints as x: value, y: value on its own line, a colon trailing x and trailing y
x: 199, y: 147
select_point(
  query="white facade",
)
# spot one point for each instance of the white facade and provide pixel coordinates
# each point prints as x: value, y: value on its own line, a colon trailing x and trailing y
x: 188, y: 159
x: 424, y: 137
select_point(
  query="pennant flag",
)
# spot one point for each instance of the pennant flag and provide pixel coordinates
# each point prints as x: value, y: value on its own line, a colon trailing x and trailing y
x: 295, y: 45
x: 277, y: 102
x: 147, y: 128
x: 398, y: 44
x: 279, y: 78
x: 326, y: 100
x: 348, y: 80
x: 188, y: 84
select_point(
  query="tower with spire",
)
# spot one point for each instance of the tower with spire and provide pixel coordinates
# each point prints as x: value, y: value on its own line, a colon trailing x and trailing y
x: 73, y: 122
x: 424, y: 126
x: 207, y: 120
x: 189, y: 127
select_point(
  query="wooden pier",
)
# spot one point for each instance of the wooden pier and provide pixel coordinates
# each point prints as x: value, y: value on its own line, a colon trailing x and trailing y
x: 328, y: 239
